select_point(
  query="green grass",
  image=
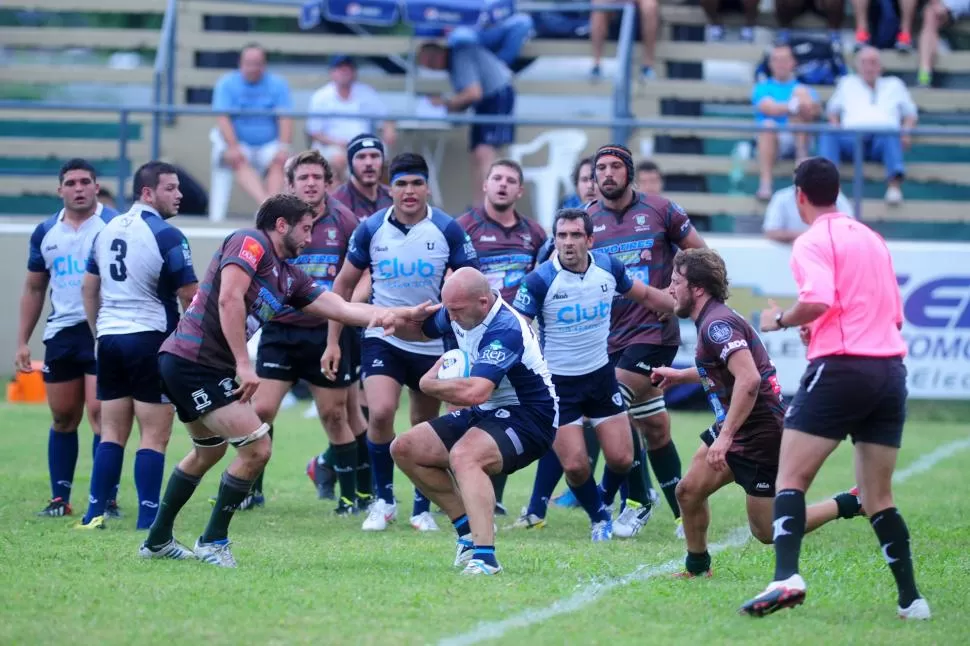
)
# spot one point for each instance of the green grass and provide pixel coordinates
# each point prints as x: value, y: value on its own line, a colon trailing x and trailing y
x: 307, y: 577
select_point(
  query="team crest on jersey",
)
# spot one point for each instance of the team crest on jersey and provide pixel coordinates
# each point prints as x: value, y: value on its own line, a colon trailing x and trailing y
x: 430, y: 245
x: 331, y: 234
x: 252, y: 252
x: 641, y: 219
x: 718, y: 331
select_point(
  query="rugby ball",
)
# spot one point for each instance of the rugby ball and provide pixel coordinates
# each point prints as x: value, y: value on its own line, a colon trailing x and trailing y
x: 457, y: 364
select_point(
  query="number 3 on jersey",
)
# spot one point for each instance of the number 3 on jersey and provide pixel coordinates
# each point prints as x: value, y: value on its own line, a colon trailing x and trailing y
x: 118, y: 270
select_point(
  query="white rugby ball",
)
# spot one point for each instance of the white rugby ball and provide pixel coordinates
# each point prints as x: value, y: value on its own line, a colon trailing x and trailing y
x: 456, y: 365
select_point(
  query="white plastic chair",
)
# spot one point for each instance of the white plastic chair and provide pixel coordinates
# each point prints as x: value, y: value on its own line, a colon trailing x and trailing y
x: 555, y: 178
x: 220, y: 182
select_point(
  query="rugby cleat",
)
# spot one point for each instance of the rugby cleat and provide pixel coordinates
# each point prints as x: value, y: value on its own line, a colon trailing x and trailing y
x: 777, y: 596
x: 253, y: 500
x: 631, y: 520
x: 345, y: 508
x: 95, y: 523
x: 602, y: 531
x: 379, y: 516
x: 919, y: 609
x: 215, y: 553
x: 464, y: 551
x: 112, y: 510
x: 364, y: 501
x: 323, y: 478
x: 500, y: 510
x: 424, y: 522
x: 170, y: 550
x: 528, y: 521
x: 567, y: 499
x: 690, y: 575
x: 56, y: 508
x: 478, y: 567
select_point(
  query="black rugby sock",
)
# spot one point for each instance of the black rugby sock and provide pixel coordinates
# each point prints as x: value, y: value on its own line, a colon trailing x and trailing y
x: 345, y: 464
x: 638, y: 478
x: 789, y: 528
x: 365, y: 482
x: 180, y: 488
x: 894, y: 540
x: 667, y: 468
x: 498, y: 482
x: 232, y: 491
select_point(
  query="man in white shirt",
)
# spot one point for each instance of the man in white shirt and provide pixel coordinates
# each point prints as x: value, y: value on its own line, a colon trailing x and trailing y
x: 344, y: 95
x: 870, y: 100
x: 782, y: 222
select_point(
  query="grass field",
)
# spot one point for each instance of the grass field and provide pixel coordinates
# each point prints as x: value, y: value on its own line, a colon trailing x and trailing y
x: 307, y: 577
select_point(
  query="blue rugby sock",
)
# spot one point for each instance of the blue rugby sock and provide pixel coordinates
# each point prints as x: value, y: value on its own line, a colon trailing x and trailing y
x: 548, y: 473
x: 95, y: 441
x: 612, y: 482
x: 106, y: 471
x: 61, y: 460
x: 421, y: 504
x: 461, y: 525
x: 588, y: 495
x: 382, y: 464
x: 149, y: 471
x: 486, y: 554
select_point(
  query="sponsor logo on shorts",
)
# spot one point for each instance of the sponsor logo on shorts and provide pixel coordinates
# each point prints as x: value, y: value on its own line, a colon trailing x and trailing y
x: 762, y: 486
x: 617, y: 399
x: 378, y: 363
x: 644, y: 366
x: 227, y: 385
x: 501, y: 413
x: 201, y: 399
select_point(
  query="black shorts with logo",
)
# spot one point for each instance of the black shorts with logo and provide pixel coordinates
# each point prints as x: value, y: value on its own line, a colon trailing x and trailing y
x: 290, y: 353
x: 195, y: 389
x: 642, y: 358
x: 756, y: 478
x: 851, y: 396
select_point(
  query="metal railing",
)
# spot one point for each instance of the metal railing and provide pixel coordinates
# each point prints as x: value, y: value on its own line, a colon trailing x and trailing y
x: 163, y: 73
x: 627, y: 124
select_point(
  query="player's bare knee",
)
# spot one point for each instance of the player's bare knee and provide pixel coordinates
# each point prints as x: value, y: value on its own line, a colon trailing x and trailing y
x: 576, y: 472
x: 257, y: 454
x: 464, y: 458
x: 687, y: 493
x: 334, y: 417
x: 618, y: 458
x: 65, y: 422
x: 402, y: 449
x: 762, y: 532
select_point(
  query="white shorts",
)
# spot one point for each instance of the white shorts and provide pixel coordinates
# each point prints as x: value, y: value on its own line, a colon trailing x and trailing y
x: 259, y: 157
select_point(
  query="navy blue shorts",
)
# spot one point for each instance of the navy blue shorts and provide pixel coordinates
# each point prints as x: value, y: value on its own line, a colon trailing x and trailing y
x: 595, y: 395
x: 378, y: 357
x: 523, y: 434
x: 290, y: 353
x: 69, y: 355
x: 195, y: 389
x: 847, y: 396
x: 128, y: 367
x: 502, y: 103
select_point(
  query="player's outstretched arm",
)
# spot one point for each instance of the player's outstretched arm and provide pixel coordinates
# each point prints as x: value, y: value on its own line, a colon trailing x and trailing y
x: 664, y: 377
x: 331, y: 306
x: 91, y: 294
x: 343, y: 286
x: 651, y: 298
x: 31, y: 305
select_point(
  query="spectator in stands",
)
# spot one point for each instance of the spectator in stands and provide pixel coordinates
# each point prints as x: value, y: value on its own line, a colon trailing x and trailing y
x: 778, y: 99
x: 904, y: 39
x: 715, y: 28
x: 599, y: 23
x: 481, y: 82
x: 584, y: 183
x: 870, y: 100
x: 504, y: 38
x: 344, y: 94
x: 253, y: 146
x: 782, y: 222
x: 833, y: 11
x: 649, y: 178
x: 937, y: 14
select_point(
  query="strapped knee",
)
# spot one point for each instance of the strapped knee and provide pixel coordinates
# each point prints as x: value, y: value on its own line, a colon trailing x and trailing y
x: 626, y: 393
x: 649, y: 408
x: 208, y: 442
x: 240, y: 442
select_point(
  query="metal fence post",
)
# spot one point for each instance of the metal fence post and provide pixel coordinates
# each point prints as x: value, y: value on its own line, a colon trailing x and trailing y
x: 858, y: 178
x: 122, y: 158
x: 170, y: 64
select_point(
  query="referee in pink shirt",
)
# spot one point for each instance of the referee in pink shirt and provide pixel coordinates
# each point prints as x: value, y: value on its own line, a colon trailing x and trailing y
x: 850, y: 310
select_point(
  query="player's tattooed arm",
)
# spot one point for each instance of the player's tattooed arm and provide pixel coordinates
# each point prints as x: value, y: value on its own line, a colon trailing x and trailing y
x: 91, y: 294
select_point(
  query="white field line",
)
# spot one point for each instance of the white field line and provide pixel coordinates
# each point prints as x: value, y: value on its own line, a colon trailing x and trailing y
x: 488, y: 630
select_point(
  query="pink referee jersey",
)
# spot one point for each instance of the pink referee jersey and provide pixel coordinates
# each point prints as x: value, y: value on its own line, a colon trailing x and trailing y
x: 846, y: 265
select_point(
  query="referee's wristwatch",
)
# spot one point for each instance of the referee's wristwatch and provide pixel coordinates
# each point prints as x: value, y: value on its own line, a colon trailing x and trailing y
x: 778, y: 320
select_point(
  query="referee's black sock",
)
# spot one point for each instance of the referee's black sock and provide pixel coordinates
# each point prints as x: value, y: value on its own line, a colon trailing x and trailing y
x: 894, y: 540
x: 789, y: 528
x: 666, y: 466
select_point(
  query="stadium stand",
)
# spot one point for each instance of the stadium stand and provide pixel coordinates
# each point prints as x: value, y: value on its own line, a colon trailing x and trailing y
x: 698, y: 165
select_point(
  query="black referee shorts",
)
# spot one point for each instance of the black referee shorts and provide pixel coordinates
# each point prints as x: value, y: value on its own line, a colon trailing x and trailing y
x: 850, y: 396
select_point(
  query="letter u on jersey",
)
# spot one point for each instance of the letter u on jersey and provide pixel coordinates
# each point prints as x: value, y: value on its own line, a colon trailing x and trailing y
x: 579, y: 314
x: 395, y: 268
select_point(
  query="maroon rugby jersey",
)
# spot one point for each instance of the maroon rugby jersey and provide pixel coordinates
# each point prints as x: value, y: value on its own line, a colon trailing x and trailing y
x: 322, y: 259
x: 275, y: 284
x: 506, y: 255
x: 348, y: 195
x: 643, y: 237
x: 720, y: 333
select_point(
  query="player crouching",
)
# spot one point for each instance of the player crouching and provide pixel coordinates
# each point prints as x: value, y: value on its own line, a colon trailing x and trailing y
x: 739, y: 380
x: 509, y: 418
